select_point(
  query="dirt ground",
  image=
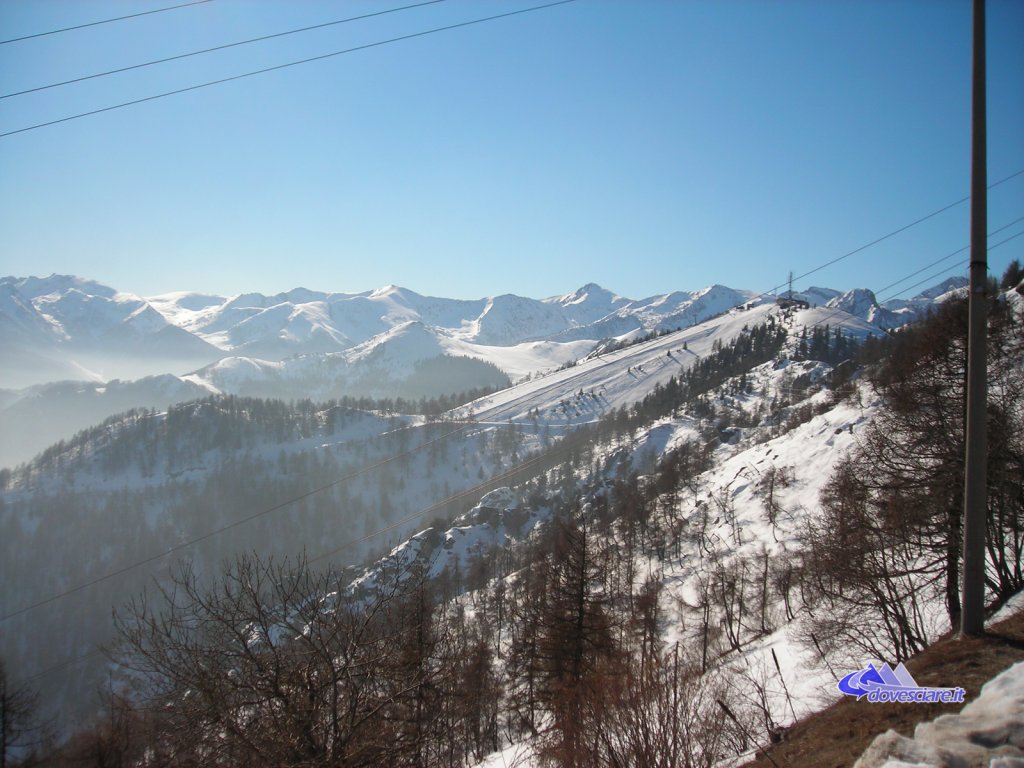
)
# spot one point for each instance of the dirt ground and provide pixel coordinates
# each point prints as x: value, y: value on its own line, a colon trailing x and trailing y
x: 836, y: 737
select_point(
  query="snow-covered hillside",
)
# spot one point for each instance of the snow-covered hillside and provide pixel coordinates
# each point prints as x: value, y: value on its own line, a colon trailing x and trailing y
x: 374, y: 344
x: 695, y: 458
x: 168, y: 467
x: 618, y: 378
x: 733, y: 526
x: 723, y: 513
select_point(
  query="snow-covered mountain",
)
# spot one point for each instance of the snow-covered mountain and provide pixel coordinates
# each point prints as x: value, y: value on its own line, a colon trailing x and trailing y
x: 863, y: 303
x: 145, y: 482
x: 93, y: 329
x: 310, y: 344
x: 67, y: 327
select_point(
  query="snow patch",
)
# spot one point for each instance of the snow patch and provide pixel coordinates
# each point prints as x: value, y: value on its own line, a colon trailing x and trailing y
x: 987, y: 731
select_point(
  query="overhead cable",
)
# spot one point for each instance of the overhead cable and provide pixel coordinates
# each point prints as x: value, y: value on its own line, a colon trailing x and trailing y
x: 217, y: 48
x: 210, y: 534
x: 277, y: 67
x: 104, y: 21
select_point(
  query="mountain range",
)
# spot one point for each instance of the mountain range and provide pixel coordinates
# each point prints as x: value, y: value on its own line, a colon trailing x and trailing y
x: 744, y: 395
x: 76, y: 351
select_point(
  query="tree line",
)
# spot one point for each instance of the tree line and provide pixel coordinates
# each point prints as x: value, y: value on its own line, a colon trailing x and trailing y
x: 563, y: 639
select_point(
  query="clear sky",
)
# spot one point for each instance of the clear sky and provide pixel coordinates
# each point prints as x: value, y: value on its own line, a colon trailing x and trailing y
x: 646, y: 145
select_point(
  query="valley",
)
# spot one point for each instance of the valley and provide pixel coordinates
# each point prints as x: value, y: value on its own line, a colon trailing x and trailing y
x: 694, y: 461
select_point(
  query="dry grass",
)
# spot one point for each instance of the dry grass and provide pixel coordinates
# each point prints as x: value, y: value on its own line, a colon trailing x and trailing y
x: 836, y: 737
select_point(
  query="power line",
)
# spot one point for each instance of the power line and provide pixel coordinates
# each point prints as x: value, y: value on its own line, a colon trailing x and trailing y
x: 242, y: 521
x: 422, y: 512
x: 307, y: 494
x: 946, y: 258
x: 836, y: 311
x: 104, y: 21
x: 944, y: 271
x: 217, y: 48
x: 286, y: 65
x: 904, y: 228
x: 895, y: 232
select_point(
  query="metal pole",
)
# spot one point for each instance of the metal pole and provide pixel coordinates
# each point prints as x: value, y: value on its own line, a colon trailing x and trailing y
x: 972, y: 620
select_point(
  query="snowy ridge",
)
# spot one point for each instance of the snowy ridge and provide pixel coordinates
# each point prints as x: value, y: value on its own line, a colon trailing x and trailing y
x: 305, y: 343
x: 729, y: 499
x: 784, y: 425
x: 83, y: 320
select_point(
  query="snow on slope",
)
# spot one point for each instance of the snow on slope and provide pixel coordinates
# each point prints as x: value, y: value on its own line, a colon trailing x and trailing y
x: 86, y: 316
x: 509, y: 319
x: 277, y: 325
x: 836, y: 317
x: 398, y: 349
x: 807, y: 453
x: 520, y: 361
x: 537, y: 334
x: 84, y: 310
x: 730, y: 498
x: 202, y: 327
x: 390, y: 357
x: 34, y: 287
x: 590, y: 303
x: 322, y: 345
x: 231, y: 374
x: 186, y: 309
x: 495, y: 522
x: 285, y: 321
x: 302, y: 320
x: 613, y: 379
x: 22, y: 318
x: 622, y: 377
x: 625, y: 377
x: 689, y: 308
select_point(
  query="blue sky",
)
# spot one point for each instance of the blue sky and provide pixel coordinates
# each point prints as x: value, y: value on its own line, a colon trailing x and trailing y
x: 647, y: 146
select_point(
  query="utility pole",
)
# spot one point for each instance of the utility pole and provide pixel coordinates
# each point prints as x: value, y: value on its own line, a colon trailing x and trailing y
x: 972, y: 618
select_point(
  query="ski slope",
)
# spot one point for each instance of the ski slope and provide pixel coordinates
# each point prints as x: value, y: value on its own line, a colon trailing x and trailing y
x: 613, y: 379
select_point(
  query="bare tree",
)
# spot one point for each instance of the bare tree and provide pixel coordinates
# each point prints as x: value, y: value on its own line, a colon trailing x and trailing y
x: 664, y: 715
x: 21, y: 730
x: 272, y: 665
x: 889, y: 537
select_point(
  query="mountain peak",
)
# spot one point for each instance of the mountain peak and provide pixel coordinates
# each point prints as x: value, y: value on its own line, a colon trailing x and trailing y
x: 33, y: 287
x: 949, y: 284
x: 590, y: 291
x: 857, y: 302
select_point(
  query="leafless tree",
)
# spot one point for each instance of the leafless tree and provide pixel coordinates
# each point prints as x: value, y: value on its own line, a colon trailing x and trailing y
x: 21, y: 729
x: 664, y: 715
x: 274, y: 665
x: 888, y: 540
